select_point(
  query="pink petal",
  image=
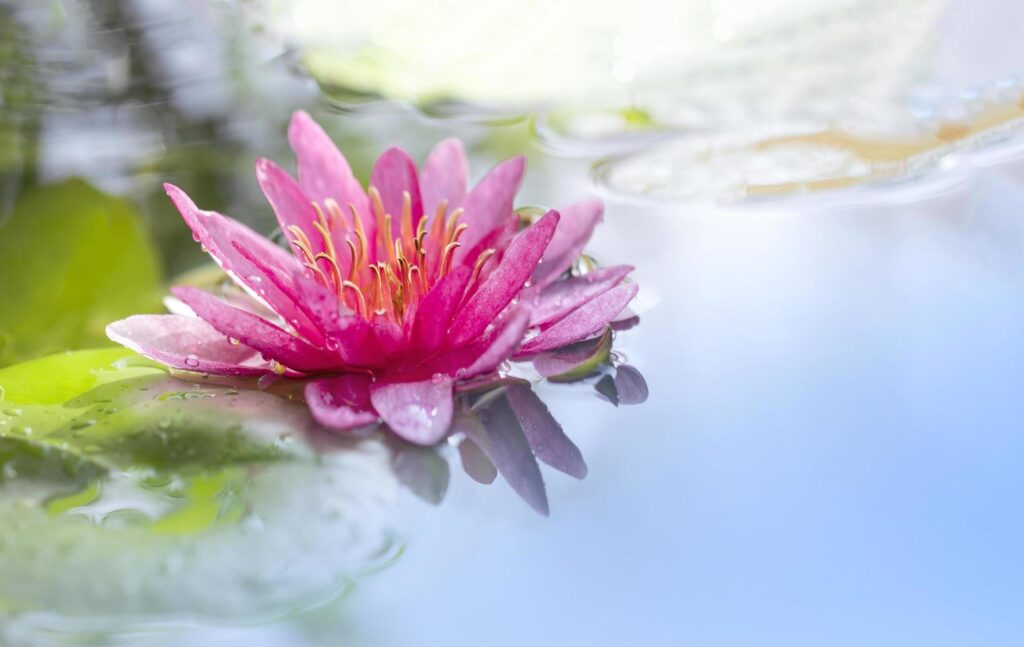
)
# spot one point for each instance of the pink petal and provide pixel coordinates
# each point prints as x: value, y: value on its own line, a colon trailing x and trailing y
x: 393, y: 174
x: 390, y: 335
x: 186, y: 343
x: 305, y: 293
x: 223, y: 237
x: 435, y: 311
x: 341, y: 402
x: 505, y: 282
x: 586, y: 320
x: 545, y: 435
x: 257, y: 333
x: 498, y: 239
x: 354, y: 338
x: 420, y: 412
x: 502, y: 346
x: 444, y: 176
x: 350, y: 335
x: 489, y: 203
x: 574, y: 231
x: 562, y: 297
x: 324, y: 172
x: 291, y: 206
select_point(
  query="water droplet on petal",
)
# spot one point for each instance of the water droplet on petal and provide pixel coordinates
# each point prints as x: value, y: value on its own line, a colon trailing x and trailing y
x: 192, y: 360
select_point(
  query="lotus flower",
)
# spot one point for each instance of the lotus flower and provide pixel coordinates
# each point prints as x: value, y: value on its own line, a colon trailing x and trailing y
x: 391, y: 296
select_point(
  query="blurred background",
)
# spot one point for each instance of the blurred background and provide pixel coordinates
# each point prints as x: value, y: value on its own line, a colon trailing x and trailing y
x: 825, y: 205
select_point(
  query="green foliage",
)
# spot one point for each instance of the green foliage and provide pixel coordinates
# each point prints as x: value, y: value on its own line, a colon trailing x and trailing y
x: 72, y: 259
x: 110, y: 409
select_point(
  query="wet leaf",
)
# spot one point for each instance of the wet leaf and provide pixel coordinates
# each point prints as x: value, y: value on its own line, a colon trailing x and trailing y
x: 116, y: 411
x: 72, y: 259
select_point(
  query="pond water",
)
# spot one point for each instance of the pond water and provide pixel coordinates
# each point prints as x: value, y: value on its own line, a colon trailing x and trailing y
x: 829, y: 453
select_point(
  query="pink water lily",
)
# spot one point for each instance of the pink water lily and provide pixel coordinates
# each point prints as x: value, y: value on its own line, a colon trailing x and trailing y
x: 390, y: 296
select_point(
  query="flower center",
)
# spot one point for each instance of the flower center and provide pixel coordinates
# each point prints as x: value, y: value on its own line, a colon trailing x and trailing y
x: 389, y: 275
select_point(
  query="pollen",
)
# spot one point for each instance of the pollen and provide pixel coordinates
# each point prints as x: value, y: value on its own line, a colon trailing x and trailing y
x: 389, y: 275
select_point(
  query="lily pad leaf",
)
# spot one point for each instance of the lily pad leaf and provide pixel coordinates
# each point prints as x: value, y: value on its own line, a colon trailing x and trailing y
x: 72, y: 259
x: 146, y: 419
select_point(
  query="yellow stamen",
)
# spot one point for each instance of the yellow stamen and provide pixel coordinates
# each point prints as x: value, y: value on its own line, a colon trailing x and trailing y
x: 319, y: 273
x: 354, y: 270
x: 406, y: 223
x: 479, y: 265
x: 446, y: 258
x: 377, y: 300
x: 453, y: 219
x: 360, y: 301
x: 337, y: 217
x: 335, y: 271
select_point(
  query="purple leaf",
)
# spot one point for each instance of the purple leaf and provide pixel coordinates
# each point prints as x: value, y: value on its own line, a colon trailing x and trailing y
x: 502, y: 440
x: 547, y: 440
x: 630, y: 385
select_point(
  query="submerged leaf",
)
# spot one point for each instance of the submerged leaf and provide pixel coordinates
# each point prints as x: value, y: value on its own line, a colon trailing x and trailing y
x: 420, y: 469
x: 475, y: 463
x: 499, y: 435
x: 545, y: 435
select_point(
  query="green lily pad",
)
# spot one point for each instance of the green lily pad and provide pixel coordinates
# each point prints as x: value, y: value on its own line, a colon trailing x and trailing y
x: 120, y: 411
x: 72, y: 259
x: 131, y: 496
